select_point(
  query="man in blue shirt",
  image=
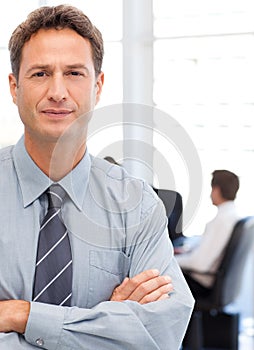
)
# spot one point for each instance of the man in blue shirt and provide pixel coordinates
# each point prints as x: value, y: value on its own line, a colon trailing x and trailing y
x: 123, y: 264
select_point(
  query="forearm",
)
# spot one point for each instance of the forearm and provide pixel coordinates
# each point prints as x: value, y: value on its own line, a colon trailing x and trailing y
x: 106, y: 326
x: 110, y: 325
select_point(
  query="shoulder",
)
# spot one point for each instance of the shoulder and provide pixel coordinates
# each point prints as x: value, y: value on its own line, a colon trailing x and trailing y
x: 7, y: 169
x: 6, y: 157
x: 6, y: 153
x: 227, y: 210
x: 108, y: 169
x: 225, y: 219
x: 124, y: 188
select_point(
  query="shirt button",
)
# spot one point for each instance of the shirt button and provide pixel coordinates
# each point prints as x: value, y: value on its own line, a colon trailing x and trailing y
x: 39, y: 342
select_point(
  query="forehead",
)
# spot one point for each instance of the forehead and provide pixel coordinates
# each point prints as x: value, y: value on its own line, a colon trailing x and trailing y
x: 62, y: 42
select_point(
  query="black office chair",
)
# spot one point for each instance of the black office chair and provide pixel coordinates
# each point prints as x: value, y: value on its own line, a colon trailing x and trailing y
x: 210, y: 325
x: 172, y: 201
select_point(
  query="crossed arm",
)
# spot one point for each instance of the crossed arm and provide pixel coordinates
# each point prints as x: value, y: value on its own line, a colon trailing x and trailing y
x: 146, y: 287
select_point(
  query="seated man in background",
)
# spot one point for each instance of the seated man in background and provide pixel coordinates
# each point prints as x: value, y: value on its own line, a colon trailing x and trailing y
x: 207, y: 255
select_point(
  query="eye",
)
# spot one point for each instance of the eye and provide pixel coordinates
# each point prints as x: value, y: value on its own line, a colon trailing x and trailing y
x: 39, y: 74
x: 75, y: 73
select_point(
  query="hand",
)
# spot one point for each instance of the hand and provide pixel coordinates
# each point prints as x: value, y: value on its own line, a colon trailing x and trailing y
x: 14, y: 315
x: 144, y: 288
x: 179, y: 250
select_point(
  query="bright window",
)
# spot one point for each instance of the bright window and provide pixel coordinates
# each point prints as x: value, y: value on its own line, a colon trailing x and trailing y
x: 203, y: 77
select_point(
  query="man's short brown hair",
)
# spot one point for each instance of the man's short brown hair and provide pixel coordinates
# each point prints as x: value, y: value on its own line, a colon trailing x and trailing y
x: 57, y: 17
x: 228, y: 183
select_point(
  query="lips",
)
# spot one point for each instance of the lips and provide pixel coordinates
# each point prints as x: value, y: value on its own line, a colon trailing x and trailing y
x: 57, y: 113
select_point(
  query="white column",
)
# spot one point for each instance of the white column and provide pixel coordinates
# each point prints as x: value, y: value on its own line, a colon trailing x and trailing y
x: 138, y: 87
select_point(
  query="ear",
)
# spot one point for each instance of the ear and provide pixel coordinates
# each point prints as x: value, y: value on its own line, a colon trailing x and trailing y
x: 13, y: 87
x: 99, y: 85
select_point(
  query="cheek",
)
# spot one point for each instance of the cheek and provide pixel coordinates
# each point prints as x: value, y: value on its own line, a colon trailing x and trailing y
x: 29, y: 98
x: 86, y: 101
x: 26, y: 105
x: 23, y: 101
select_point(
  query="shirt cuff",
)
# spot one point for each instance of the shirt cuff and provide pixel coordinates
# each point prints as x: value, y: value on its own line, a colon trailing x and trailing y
x: 44, y: 325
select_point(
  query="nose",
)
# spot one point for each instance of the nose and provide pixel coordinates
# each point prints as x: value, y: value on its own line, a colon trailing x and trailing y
x: 57, y: 90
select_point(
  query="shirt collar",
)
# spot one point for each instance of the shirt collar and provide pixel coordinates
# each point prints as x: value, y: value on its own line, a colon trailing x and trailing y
x: 227, y: 205
x: 33, y: 182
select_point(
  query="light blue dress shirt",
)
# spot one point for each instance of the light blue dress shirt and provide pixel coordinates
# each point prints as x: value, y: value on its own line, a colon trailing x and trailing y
x: 117, y: 228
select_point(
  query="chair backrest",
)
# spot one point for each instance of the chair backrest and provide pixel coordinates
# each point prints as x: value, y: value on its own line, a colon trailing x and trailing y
x: 172, y: 201
x: 229, y: 277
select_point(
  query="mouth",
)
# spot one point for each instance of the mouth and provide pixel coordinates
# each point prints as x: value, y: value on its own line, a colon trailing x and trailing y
x: 57, y: 113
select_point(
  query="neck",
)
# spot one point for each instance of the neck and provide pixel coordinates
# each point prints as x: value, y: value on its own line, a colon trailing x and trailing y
x: 221, y: 201
x: 56, y: 160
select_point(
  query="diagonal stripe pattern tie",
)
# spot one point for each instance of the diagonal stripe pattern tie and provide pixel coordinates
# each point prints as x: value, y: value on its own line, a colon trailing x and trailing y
x: 53, y: 273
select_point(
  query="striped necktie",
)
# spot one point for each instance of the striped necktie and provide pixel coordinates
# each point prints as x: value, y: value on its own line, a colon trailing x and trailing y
x: 53, y: 273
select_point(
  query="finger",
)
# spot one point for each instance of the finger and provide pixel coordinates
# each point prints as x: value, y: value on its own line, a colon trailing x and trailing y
x: 129, y: 285
x: 143, y: 277
x: 125, y: 289
x: 150, y: 286
x: 164, y: 297
x: 120, y: 293
x: 158, y: 294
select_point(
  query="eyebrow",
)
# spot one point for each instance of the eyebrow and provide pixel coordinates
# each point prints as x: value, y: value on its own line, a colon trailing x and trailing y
x: 47, y: 66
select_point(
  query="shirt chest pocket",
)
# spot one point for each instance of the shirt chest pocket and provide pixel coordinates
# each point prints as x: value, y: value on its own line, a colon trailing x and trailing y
x: 107, y: 269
